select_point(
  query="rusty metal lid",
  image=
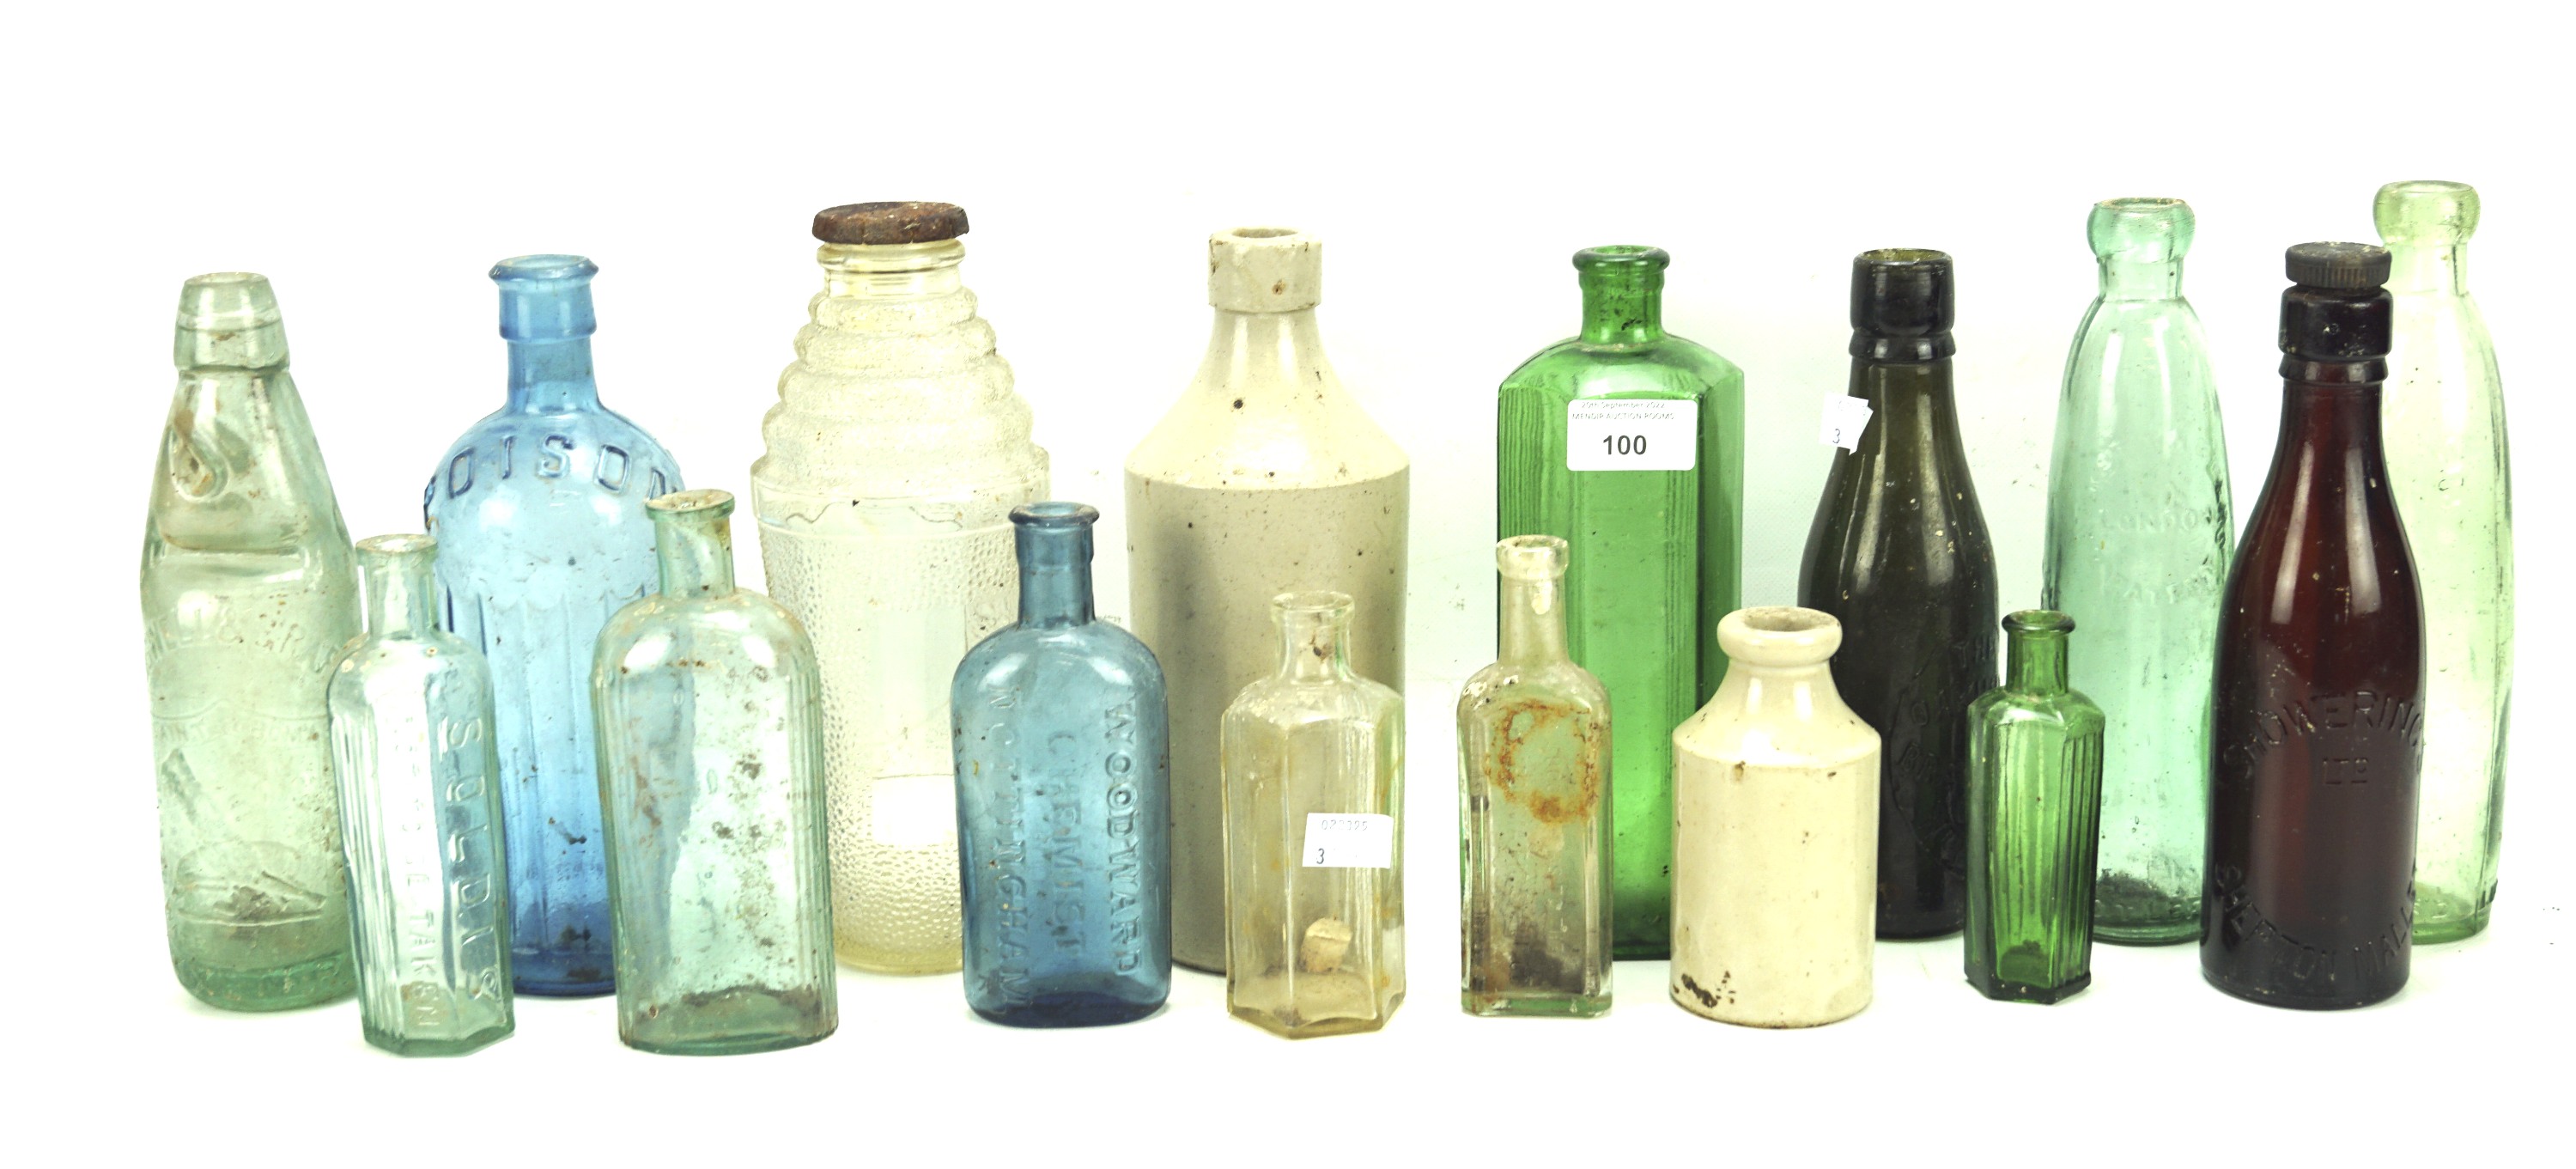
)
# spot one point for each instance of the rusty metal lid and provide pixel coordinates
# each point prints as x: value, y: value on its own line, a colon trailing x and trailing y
x: 889, y: 223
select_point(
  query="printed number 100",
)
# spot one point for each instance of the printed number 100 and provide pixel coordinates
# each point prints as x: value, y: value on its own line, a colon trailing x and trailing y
x: 1623, y: 444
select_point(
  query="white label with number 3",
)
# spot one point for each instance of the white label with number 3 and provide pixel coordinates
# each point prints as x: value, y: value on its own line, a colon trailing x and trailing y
x: 1349, y: 840
x: 1845, y: 418
x: 1631, y: 434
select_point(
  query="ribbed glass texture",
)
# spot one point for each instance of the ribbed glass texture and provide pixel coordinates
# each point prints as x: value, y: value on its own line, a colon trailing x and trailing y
x: 2034, y: 821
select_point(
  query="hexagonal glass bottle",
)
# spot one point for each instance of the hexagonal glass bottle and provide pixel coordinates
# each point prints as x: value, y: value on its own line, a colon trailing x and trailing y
x: 2034, y: 820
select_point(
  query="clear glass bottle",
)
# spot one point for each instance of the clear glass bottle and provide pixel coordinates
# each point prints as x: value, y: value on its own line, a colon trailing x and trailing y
x: 711, y: 770
x: 2034, y: 820
x: 411, y: 739
x: 539, y: 514
x: 1313, y: 758
x: 2140, y: 528
x: 895, y: 454
x: 1534, y: 783
x: 2444, y: 420
x: 1063, y: 799
x: 1265, y: 477
x: 249, y: 592
x: 1651, y: 501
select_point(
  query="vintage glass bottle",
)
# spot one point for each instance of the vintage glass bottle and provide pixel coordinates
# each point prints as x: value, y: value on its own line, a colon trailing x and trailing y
x: 1265, y: 477
x: 1063, y: 799
x: 2140, y: 527
x: 249, y: 592
x: 1900, y: 556
x: 2318, y: 730
x: 2034, y: 820
x: 539, y: 514
x: 711, y: 771
x: 894, y: 457
x: 2444, y: 424
x: 1313, y: 758
x: 1534, y: 786
x: 411, y: 741
x: 1628, y: 443
x: 1775, y: 833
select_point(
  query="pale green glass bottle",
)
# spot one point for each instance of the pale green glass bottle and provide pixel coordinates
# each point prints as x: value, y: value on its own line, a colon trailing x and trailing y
x: 2444, y: 421
x: 2140, y: 532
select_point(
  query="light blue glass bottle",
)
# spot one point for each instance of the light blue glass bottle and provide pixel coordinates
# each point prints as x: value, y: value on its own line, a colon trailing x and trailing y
x: 411, y: 742
x: 1063, y: 799
x: 539, y: 512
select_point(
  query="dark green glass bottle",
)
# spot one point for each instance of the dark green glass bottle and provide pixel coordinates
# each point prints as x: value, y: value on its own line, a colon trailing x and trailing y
x: 1899, y: 555
x: 2034, y: 820
x: 1628, y: 444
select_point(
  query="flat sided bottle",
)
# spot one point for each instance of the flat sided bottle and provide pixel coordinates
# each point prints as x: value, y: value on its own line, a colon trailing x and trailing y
x: 1899, y: 555
x: 2140, y: 527
x: 2034, y: 820
x: 249, y: 592
x: 1628, y: 443
x: 711, y: 771
x: 1063, y: 799
x: 895, y: 454
x: 539, y: 515
x: 1265, y: 477
x: 2444, y: 424
x: 411, y: 741
x: 1313, y: 757
x: 2319, y: 722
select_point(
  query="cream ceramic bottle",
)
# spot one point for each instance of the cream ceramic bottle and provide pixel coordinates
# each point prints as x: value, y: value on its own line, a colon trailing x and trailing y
x: 1775, y: 833
x: 1265, y: 478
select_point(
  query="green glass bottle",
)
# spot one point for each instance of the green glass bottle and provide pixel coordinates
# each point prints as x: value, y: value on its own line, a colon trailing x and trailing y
x: 2140, y: 534
x: 2034, y: 820
x: 1628, y: 444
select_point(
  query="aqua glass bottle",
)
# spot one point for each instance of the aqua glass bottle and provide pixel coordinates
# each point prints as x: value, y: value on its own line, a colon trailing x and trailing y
x: 2034, y: 820
x: 2140, y: 529
x: 411, y: 740
x: 249, y: 593
x: 1063, y: 799
x: 711, y: 770
x: 539, y: 515
x: 1628, y: 443
x: 2444, y: 420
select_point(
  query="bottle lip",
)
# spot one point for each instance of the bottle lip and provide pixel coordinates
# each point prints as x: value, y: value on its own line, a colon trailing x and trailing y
x: 1780, y: 635
x: 1536, y: 557
x: 2038, y: 621
x: 1622, y: 258
x: 544, y: 266
x: 220, y: 302
x: 693, y: 501
x: 1055, y: 513
x: 1265, y: 269
x: 1311, y: 603
x: 399, y: 544
x: 2437, y: 211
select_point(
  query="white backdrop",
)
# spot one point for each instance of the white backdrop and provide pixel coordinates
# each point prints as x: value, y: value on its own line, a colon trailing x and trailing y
x: 374, y: 162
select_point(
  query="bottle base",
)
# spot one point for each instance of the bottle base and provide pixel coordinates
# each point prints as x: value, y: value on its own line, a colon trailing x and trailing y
x: 2156, y: 934
x: 1692, y: 1003
x: 1534, y: 1006
x: 576, y: 975
x: 410, y: 1046
x: 2130, y: 910
x: 2443, y: 916
x: 2007, y: 991
x: 1642, y: 951
x: 725, y: 1045
x: 282, y: 988
x: 2265, y: 998
x: 884, y: 962
x: 1071, y: 1010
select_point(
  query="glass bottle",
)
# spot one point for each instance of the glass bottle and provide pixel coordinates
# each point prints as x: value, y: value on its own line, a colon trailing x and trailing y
x: 1899, y: 555
x: 2034, y: 820
x: 1265, y: 477
x: 1534, y: 780
x: 1063, y: 799
x: 894, y: 457
x: 539, y: 514
x: 1314, y: 843
x: 2444, y: 423
x: 1775, y: 833
x: 2318, y: 731
x: 1651, y: 501
x: 711, y: 769
x: 411, y: 739
x: 2140, y: 527
x: 249, y: 593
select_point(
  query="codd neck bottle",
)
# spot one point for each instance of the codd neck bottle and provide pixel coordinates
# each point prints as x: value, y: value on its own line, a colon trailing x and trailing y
x: 1265, y: 477
x: 2318, y: 731
x: 2446, y: 452
x: 411, y: 740
x: 894, y: 457
x: 2140, y: 525
x: 539, y: 514
x: 1063, y: 799
x: 2034, y: 820
x: 1313, y: 757
x: 1628, y: 443
x: 1534, y: 786
x: 711, y: 770
x: 1899, y: 555
x: 249, y: 592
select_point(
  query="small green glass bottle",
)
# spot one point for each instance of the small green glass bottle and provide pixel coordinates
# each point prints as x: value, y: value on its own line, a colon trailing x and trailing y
x: 2034, y: 820
x: 1628, y: 443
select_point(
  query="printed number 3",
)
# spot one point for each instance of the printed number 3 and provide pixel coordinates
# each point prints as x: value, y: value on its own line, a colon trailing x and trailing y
x: 1319, y: 854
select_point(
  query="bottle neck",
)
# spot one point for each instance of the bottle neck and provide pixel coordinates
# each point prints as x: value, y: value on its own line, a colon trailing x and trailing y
x: 1250, y: 350
x: 2329, y: 430
x: 1315, y: 645
x: 1055, y: 575
x: 1533, y: 621
x: 1906, y: 398
x: 891, y: 271
x: 2125, y: 279
x: 552, y: 377
x: 402, y: 593
x: 696, y: 552
x: 2428, y: 267
x: 1622, y: 305
x: 2035, y: 661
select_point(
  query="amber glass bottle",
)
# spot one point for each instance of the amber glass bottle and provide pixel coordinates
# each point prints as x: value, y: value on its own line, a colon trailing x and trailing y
x: 2318, y: 728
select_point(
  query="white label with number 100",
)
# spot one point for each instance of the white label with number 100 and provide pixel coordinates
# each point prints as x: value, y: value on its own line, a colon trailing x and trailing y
x: 1631, y: 434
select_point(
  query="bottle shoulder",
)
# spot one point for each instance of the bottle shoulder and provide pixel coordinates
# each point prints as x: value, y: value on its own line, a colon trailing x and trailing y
x: 2066, y: 710
x: 1670, y: 367
x: 1287, y: 704
x: 1561, y: 686
x: 740, y: 629
x: 1097, y: 650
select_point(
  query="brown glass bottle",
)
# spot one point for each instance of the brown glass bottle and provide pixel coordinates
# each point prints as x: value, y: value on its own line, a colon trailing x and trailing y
x: 2318, y: 734
x: 1899, y: 555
